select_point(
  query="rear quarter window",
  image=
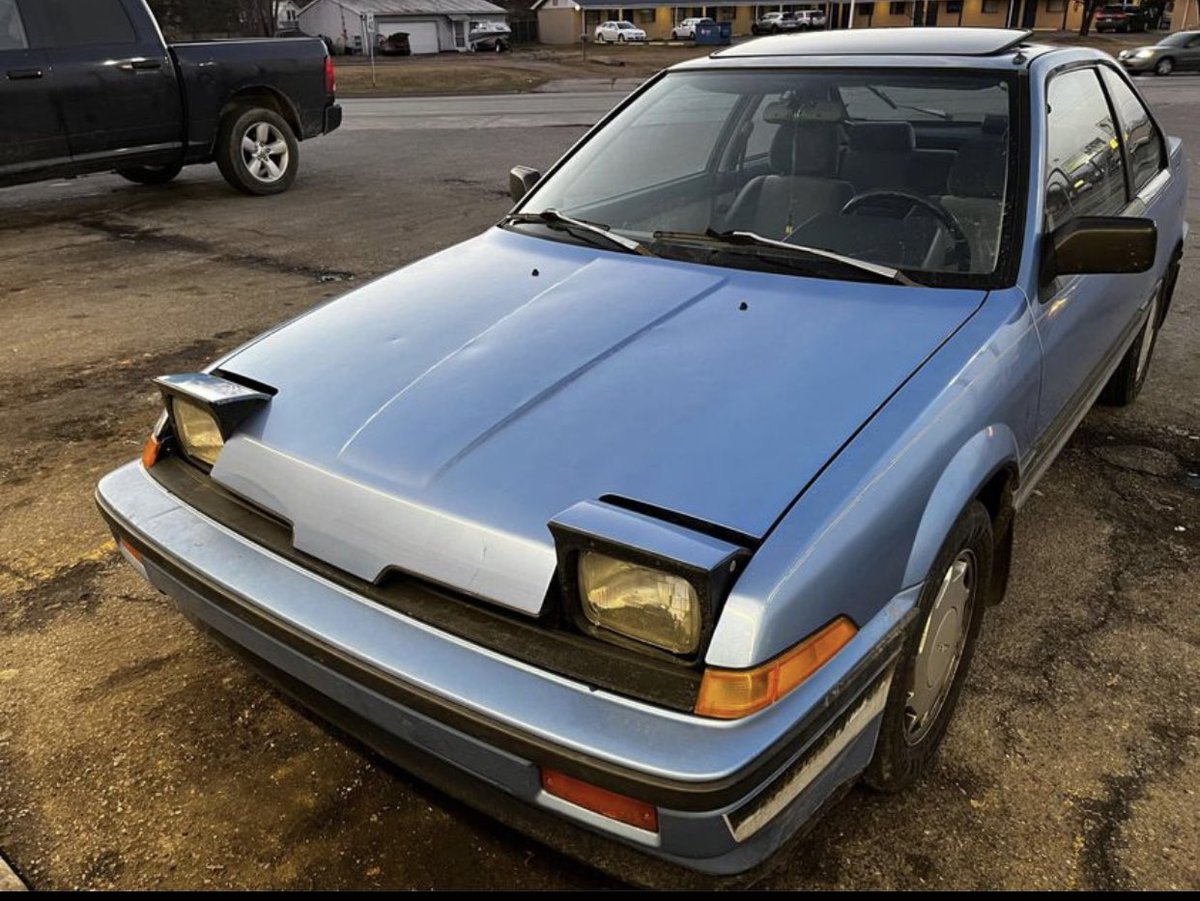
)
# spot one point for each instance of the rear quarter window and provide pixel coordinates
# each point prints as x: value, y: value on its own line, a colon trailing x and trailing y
x: 87, y: 23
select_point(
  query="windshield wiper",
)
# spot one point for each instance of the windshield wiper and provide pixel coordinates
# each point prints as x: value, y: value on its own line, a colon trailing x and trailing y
x: 886, y: 98
x: 751, y: 239
x: 554, y: 219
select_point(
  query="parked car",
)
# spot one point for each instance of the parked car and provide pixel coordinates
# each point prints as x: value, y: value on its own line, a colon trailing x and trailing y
x: 1121, y: 17
x: 396, y: 44
x: 1179, y: 51
x: 91, y: 87
x: 619, y: 33
x: 686, y: 30
x: 775, y: 22
x: 808, y: 19
x: 686, y: 507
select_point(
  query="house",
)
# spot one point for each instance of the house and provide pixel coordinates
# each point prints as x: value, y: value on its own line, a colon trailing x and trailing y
x: 563, y: 21
x: 432, y: 25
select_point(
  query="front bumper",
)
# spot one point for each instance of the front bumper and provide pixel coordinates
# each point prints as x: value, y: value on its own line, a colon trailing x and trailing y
x: 477, y: 723
x: 1136, y: 64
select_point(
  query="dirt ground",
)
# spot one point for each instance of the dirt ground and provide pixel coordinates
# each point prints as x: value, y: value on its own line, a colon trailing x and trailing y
x: 135, y: 754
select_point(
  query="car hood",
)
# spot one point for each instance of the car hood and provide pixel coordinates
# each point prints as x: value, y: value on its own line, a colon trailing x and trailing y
x: 436, y: 420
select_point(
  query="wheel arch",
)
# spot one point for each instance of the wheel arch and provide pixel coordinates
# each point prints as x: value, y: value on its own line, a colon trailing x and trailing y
x: 268, y: 98
x: 984, y: 469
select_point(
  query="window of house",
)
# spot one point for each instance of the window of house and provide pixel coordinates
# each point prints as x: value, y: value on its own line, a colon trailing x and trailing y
x: 644, y: 16
x: 1143, y: 143
x: 87, y: 23
x: 1085, y: 175
x: 12, y: 32
x: 1055, y: 6
x: 865, y: 9
x: 898, y: 9
x: 953, y: 6
x: 991, y: 6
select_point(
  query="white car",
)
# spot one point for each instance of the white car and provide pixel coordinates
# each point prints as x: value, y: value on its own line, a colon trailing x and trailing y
x: 809, y: 18
x: 619, y: 33
x: 686, y: 30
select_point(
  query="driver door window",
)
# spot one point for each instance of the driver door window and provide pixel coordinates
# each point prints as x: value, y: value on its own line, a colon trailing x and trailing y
x: 1085, y: 174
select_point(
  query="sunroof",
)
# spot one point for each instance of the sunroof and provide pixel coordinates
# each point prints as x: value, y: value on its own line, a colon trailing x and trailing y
x: 885, y: 42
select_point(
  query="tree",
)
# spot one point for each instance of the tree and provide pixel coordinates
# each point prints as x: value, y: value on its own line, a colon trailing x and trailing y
x: 183, y: 19
x: 1089, y: 11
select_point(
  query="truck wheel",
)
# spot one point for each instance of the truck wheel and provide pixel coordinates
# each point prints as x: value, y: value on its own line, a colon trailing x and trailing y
x: 257, y: 152
x: 933, y: 665
x: 151, y: 175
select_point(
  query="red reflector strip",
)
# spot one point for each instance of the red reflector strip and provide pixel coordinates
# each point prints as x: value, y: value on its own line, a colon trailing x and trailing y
x: 131, y: 550
x: 601, y: 801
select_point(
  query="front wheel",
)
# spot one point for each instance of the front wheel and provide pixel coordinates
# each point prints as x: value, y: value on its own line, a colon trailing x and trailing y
x: 151, y: 175
x: 257, y: 152
x: 933, y: 664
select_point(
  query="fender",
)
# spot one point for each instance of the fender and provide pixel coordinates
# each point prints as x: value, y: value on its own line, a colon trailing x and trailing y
x: 986, y: 453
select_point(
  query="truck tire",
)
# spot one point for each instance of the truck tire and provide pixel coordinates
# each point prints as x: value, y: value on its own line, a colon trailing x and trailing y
x: 151, y: 175
x: 256, y: 151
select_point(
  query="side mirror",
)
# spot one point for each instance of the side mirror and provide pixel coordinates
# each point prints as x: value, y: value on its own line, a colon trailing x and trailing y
x: 1099, y: 245
x: 521, y: 180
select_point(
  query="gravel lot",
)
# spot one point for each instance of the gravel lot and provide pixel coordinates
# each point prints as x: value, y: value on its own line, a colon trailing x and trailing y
x: 134, y: 754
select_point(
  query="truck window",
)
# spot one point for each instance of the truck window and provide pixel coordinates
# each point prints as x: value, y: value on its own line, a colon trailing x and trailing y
x: 86, y: 23
x: 12, y: 32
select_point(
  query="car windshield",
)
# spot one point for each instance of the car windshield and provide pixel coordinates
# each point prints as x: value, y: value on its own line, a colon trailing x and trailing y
x: 903, y: 169
x: 625, y: 25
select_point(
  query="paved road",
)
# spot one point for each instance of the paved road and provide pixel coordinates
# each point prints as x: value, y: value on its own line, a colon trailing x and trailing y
x: 134, y: 754
x: 479, y: 111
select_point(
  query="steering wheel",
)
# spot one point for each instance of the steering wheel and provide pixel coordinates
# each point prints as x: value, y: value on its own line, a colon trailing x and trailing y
x: 903, y: 201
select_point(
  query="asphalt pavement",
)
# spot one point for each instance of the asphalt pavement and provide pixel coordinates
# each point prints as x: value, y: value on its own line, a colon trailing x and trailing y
x: 135, y: 754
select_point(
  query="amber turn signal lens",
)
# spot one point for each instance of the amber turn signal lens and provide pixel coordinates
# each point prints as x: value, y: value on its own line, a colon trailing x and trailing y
x: 601, y: 800
x: 728, y: 694
x: 150, y: 452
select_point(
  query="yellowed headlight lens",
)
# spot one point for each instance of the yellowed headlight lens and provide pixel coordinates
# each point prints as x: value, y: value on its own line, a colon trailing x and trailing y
x: 197, y: 431
x: 640, y: 602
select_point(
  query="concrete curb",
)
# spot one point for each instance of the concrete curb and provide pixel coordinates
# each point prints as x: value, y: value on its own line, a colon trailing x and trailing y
x: 10, y: 881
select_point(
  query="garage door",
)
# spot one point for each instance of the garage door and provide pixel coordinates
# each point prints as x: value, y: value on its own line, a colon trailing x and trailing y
x: 422, y: 36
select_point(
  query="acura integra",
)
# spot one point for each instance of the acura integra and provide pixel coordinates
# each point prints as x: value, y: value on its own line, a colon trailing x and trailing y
x: 672, y: 504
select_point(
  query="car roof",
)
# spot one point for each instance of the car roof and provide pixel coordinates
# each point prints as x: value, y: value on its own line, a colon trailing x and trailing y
x: 885, y: 42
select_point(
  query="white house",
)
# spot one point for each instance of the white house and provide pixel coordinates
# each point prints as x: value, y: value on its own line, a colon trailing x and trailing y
x: 432, y: 25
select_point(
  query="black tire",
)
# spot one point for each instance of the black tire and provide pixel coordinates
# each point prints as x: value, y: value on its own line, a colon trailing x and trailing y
x: 620, y: 39
x: 899, y: 760
x: 151, y: 175
x: 231, y: 158
x: 1126, y: 383
x: 1164, y: 66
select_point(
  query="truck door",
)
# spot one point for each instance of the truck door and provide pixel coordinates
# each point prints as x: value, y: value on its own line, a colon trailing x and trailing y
x: 114, y: 80
x: 31, y: 132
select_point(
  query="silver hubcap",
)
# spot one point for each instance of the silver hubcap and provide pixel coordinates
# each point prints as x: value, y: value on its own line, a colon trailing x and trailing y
x: 1147, y: 339
x: 264, y: 152
x: 941, y: 647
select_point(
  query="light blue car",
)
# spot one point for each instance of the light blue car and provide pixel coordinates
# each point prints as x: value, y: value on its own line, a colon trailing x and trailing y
x: 655, y: 515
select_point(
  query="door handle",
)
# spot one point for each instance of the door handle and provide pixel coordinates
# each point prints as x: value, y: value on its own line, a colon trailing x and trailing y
x: 138, y: 65
x: 22, y: 74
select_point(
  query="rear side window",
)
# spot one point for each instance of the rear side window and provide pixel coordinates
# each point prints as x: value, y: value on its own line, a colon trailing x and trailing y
x: 86, y: 23
x: 12, y: 31
x: 1085, y: 175
x: 1142, y: 140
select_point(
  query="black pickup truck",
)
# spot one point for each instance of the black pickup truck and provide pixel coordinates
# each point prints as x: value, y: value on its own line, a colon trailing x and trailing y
x: 91, y: 86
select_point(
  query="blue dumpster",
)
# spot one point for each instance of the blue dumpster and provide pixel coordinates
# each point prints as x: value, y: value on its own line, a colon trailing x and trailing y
x: 713, y: 33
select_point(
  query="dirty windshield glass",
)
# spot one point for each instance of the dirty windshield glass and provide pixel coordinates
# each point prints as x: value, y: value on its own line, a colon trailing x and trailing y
x: 903, y: 169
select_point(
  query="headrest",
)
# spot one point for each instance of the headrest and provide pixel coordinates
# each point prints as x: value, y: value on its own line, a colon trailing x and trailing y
x: 995, y: 124
x: 882, y: 137
x: 979, y: 170
x: 810, y: 148
x: 783, y: 112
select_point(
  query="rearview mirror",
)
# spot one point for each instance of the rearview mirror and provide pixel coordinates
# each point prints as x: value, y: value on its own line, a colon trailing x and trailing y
x: 521, y: 180
x: 1095, y: 245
